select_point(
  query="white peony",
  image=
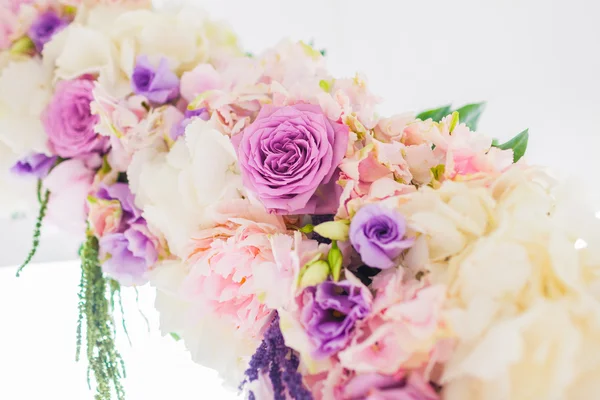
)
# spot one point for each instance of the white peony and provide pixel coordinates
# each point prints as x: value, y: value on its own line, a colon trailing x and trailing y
x: 173, y: 189
x: 25, y: 90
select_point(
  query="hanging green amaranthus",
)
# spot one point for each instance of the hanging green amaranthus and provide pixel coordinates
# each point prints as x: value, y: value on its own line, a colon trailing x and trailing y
x: 43, y: 200
x: 96, y: 305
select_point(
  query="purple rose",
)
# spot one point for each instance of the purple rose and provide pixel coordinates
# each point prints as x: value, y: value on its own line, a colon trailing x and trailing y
x: 288, y: 155
x: 330, y: 311
x: 159, y: 85
x: 378, y: 235
x: 45, y: 27
x: 37, y: 165
x: 68, y: 120
x: 178, y: 130
x: 374, y: 386
x: 127, y: 256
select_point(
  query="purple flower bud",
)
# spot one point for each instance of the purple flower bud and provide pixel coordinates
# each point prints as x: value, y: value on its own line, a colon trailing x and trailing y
x: 330, y: 312
x: 378, y: 235
x: 158, y: 84
x: 178, y: 130
x: 126, y: 257
x: 44, y: 28
x: 37, y: 165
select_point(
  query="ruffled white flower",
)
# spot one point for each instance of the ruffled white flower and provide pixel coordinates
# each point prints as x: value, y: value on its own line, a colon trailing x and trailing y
x: 523, y: 302
x: 78, y: 50
x: 173, y: 189
x: 25, y: 89
x: 204, y: 335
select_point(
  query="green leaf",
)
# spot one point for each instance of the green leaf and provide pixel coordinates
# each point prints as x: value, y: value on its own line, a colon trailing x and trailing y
x: 335, y: 261
x: 518, y: 144
x: 469, y: 114
x: 175, y: 336
x: 436, y: 114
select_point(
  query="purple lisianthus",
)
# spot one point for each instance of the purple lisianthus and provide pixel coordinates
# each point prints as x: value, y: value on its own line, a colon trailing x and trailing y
x: 289, y: 157
x: 178, y: 130
x: 378, y: 235
x: 69, y: 122
x: 37, y: 165
x: 45, y: 27
x: 121, y: 192
x: 330, y: 311
x: 126, y: 257
x: 375, y: 386
x: 158, y: 84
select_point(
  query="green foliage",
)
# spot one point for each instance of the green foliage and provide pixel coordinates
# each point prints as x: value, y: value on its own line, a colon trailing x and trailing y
x: 468, y: 114
x: 96, y: 305
x: 37, y: 231
x: 518, y: 144
x: 435, y: 114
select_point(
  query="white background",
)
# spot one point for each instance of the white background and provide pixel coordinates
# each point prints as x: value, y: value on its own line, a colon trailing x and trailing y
x: 536, y: 62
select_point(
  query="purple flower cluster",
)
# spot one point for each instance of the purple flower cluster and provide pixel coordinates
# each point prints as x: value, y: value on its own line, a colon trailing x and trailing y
x: 281, y: 364
x: 129, y: 250
x: 330, y: 312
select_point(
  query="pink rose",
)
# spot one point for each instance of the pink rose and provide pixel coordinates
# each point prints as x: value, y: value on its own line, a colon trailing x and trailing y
x: 289, y: 158
x: 69, y: 122
x: 104, y: 216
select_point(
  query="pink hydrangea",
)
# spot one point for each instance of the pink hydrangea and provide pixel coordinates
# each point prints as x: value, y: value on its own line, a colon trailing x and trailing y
x: 223, y: 258
x: 405, y: 329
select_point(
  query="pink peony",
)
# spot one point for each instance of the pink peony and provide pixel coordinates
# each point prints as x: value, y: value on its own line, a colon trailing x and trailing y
x: 224, y: 258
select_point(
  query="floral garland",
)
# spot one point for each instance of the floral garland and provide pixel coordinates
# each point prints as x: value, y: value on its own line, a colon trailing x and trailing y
x: 299, y: 243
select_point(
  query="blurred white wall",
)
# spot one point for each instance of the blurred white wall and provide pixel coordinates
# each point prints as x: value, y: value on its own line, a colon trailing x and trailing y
x: 536, y: 62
